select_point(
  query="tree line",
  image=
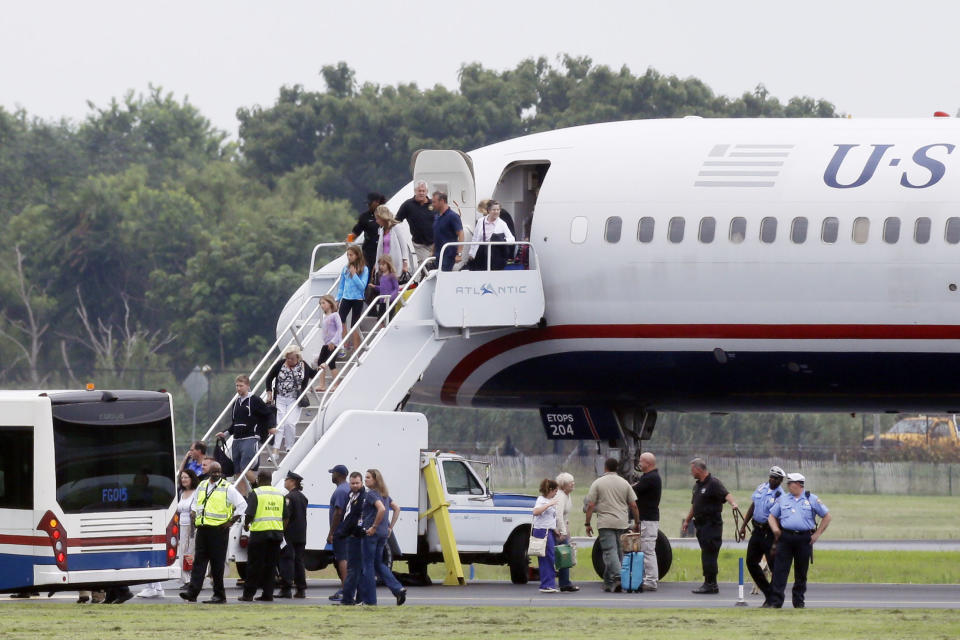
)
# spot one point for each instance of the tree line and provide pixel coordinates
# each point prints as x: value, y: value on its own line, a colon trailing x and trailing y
x: 144, y: 239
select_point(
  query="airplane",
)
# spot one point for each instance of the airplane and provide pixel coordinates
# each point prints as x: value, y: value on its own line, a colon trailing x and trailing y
x: 717, y: 265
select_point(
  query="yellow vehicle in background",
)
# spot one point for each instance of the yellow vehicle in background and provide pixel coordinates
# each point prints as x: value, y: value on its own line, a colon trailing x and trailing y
x: 919, y: 431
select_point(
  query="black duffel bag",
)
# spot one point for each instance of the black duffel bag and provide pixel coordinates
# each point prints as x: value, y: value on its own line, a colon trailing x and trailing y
x: 223, y: 458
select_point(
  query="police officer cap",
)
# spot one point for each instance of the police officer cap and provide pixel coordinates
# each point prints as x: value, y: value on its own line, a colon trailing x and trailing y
x: 777, y: 472
x: 796, y: 477
x: 294, y: 476
x: 341, y: 469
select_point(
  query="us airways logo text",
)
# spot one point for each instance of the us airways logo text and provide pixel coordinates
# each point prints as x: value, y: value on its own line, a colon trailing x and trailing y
x: 923, y: 169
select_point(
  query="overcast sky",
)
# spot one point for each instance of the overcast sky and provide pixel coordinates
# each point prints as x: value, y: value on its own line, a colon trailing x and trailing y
x: 871, y: 59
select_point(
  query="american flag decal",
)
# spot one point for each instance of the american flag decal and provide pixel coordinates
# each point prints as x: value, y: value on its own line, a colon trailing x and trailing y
x: 743, y: 165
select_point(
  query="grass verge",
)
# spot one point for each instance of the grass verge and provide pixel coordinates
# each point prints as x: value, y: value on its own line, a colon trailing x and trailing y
x: 38, y: 621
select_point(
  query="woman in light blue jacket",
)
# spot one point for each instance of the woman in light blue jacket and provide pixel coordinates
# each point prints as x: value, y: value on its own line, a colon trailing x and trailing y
x: 353, y: 283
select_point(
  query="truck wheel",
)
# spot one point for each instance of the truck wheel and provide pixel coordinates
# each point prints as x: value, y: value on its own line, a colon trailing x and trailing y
x: 664, y: 556
x: 517, y: 558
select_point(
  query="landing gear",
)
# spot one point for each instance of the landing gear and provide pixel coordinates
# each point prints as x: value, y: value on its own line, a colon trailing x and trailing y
x: 636, y: 425
x: 664, y: 556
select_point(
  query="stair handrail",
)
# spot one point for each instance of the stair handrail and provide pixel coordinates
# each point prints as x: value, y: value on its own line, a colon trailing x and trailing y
x: 385, y: 320
x: 534, y: 264
x: 323, y: 245
x: 267, y: 357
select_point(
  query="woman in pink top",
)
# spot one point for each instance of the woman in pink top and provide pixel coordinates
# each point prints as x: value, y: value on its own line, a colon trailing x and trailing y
x: 332, y: 333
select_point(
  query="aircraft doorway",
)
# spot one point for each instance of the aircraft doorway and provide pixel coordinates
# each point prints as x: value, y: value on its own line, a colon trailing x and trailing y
x: 517, y: 191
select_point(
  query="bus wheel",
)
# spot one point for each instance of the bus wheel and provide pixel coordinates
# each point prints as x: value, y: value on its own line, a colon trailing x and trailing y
x: 664, y: 555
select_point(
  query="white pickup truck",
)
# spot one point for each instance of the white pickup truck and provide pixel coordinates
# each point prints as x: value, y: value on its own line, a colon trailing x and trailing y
x: 489, y: 528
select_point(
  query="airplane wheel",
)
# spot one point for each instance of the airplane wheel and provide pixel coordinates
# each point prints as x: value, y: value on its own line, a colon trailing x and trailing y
x: 664, y: 556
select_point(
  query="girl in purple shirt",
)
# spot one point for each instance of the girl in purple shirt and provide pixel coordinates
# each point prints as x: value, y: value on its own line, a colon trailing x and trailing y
x: 332, y: 333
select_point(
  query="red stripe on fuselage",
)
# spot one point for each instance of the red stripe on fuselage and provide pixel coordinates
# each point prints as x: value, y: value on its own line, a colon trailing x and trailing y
x: 490, y: 350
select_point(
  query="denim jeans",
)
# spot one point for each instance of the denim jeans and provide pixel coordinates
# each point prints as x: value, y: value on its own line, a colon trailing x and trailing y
x: 374, y: 568
x: 609, y: 540
x: 548, y: 576
x: 354, y: 569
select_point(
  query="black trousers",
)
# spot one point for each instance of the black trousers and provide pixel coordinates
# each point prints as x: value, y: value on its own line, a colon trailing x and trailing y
x: 263, y: 554
x: 759, y: 546
x: 710, y: 537
x: 292, y: 572
x: 211, y: 547
x: 792, y: 548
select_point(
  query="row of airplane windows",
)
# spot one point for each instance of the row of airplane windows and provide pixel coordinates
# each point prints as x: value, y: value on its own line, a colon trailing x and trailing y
x: 798, y: 231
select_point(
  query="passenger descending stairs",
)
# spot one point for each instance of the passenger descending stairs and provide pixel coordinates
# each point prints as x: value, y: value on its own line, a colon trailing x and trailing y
x: 396, y: 348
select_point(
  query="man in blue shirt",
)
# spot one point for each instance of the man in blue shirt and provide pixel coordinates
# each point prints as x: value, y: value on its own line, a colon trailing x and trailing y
x: 447, y: 227
x: 761, y: 540
x: 792, y: 519
x: 338, y: 503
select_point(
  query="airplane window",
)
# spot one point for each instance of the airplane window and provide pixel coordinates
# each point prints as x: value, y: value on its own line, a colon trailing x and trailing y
x: 645, y: 229
x: 798, y: 230
x: 861, y: 230
x: 738, y: 230
x: 953, y: 230
x: 768, y: 230
x: 578, y: 230
x: 708, y: 229
x: 675, y: 230
x: 830, y: 230
x: 611, y: 231
x: 921, y: 231
x: 891, y: 230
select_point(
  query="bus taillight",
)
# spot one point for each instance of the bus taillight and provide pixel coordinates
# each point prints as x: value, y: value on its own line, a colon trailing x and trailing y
x: 173, y: 538
x: 50, y: 525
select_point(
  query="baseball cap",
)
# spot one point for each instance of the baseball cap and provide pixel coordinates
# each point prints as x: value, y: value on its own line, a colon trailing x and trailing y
x: 341, y: 469
x: 796, y: 477
x: 777, y: 472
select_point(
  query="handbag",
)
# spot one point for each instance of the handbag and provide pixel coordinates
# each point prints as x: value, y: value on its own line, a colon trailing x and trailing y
x: 537, y: 546
x: 565, y: 555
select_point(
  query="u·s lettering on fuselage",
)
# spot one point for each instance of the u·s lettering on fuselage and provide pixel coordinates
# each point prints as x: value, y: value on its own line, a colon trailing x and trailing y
x: 724, y: 265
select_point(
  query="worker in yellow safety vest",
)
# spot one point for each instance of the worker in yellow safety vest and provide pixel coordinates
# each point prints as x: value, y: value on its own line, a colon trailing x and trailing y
x: 215, y: 506
x: 265, y: 514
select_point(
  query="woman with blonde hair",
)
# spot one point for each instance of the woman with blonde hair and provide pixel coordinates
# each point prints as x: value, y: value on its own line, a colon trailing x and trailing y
x: 286, y: 380
x: 376, y: 501
x: 331, y: 335
x: 392, y: 242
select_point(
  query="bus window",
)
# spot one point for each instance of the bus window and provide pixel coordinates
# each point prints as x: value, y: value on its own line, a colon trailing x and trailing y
x: 119, y: 463
x: 921, y: 231
x: 611, y: 231
x: 768, y: 230
x: 708, y: 228
x: 861, y: 230
x: 16, y: 468
x: 891, y: 230
x: 830, y: 230
x: 738, y: 230
x: 578, y: 230
x: 798, y: 230
x: 645, y: 230
x: 675, y: 230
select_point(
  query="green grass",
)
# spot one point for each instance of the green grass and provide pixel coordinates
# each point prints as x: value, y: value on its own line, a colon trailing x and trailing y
x: 39, y: 621
x: 917, y: 567
x: 855, y: 516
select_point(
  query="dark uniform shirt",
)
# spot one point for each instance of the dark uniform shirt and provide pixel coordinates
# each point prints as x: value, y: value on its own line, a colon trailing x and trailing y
x: 648, y: 489
x: 295, y: 532
x: 708, y: 498
x: 420, y: 218
x: 367, y: 225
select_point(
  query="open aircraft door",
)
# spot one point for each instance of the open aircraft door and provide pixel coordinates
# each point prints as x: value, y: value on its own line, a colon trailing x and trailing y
x: 451, y: 172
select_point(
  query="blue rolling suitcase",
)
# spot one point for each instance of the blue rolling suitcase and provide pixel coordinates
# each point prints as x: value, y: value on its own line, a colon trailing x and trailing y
x: 631, y: 571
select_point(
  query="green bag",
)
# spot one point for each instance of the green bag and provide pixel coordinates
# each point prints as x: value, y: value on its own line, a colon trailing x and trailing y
x: 565, y: 556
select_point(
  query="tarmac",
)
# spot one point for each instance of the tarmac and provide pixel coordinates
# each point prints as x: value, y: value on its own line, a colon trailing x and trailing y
x: 670, y: 595
x: 824, y: 543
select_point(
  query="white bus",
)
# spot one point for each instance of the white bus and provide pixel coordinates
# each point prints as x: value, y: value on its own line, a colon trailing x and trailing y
x: 87, y: 490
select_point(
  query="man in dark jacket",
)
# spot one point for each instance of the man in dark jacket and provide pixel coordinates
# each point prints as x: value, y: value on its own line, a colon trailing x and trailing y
x: 367, y: 225
x: 350, y: 530
x: 292, y: 571
x: 248, y: 421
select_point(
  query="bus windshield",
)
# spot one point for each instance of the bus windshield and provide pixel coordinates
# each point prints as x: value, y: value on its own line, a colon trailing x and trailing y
x: 115, y: 456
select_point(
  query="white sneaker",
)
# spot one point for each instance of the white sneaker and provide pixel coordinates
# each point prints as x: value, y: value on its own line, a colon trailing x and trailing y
x: 150, y: 592
x: 549, y: 590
